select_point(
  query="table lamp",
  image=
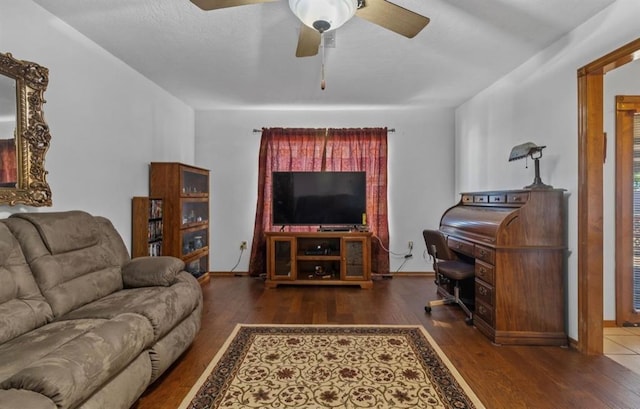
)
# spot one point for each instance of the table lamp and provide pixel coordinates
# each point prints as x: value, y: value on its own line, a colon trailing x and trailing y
x: 535, y: 152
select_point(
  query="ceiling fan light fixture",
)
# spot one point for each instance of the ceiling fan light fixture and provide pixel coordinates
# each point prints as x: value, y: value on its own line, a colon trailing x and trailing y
x: 323, y: 15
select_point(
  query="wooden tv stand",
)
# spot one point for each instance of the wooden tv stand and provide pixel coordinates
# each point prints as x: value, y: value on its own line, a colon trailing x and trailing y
x: 321, y: 258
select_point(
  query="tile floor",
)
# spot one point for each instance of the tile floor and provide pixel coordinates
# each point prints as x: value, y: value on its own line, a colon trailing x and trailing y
x: 622, y: 344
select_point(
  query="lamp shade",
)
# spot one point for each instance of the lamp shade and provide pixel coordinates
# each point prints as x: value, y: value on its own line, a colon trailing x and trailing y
x: 323, y: 15
x: 523, y: 150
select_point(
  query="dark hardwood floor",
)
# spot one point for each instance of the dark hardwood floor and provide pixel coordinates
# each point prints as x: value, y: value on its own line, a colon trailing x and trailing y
x: 501, y: 376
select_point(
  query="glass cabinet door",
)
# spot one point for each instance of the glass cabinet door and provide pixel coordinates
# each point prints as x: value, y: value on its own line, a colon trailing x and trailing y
x: 197, y: 266
x: 194, y: 212
x: 194, y: 182
x: 355, y: 257
x: 193, y: 240
x: 283, y: 263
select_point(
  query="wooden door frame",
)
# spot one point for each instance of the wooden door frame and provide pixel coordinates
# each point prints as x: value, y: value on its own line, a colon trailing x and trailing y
x: 626, y: 108
x: 591, y: 151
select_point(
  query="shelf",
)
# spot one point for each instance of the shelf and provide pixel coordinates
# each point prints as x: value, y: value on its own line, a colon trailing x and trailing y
x: 198, y: 252
x: 319, y: 258
x: 204, y: 279
x: 202, y: 224
x: 194, y: 195
x: 365, y: 284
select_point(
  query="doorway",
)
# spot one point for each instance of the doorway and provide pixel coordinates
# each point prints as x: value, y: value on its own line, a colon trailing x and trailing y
x: 627, y: 218
x: 590, y: 194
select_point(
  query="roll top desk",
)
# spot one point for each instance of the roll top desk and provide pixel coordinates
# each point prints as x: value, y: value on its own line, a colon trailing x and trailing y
x: 516, y: 240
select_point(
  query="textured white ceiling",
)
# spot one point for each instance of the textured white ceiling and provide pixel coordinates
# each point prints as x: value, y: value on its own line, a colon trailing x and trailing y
x: 245, y: 56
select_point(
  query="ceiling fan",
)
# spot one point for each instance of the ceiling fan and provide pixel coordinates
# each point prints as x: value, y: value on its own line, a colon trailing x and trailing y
x: 319, y: 16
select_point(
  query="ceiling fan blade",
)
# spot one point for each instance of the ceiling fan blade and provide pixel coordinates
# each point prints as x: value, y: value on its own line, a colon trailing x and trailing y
x: 308, y: 42
x: 221, y: 4
x: 393, y: 17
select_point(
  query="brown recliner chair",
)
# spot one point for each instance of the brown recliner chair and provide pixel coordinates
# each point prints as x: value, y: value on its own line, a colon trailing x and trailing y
x: 449, y: 269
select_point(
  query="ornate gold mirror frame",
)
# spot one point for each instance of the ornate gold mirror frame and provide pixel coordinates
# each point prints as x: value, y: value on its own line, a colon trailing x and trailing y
x: 30, y: 136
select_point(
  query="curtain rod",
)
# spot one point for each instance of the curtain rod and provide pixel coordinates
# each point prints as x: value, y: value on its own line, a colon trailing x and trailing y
x: 388, y: 130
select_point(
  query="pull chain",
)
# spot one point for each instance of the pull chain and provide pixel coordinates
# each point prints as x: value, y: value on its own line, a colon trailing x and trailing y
x: 323, y: 83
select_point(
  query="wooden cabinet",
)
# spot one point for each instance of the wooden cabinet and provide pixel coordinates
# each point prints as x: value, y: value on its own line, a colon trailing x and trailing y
x: 146, y: 226
x: 185, y: 193
x: 516, y: 240
x: 322, y: 258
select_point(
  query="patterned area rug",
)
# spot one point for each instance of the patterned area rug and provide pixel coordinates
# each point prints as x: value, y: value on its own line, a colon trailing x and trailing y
x: 330, y: 367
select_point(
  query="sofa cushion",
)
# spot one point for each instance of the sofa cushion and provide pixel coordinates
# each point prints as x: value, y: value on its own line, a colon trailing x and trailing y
x: 123, y: 390
x: 76, y: 276
x: 22, y: 306
x: 164, y: 307
x: 164, y: 352
x: 64, y: 231
x: 72, y: 371
x: 7, y: 244
x: 112, y: 241
x: 41, y: 342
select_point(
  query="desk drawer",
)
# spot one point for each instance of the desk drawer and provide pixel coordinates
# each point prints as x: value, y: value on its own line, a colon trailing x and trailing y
x: 481, y: 199
x: 497, y: 198
x: 484, y: 292
x: 520, y: 197
x: 485, y: 312
x: 485, y: 254
x: 461, y: 246
x: 485, y: 272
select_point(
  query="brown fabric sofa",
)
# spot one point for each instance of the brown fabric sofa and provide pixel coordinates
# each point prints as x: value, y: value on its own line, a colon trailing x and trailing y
x: 81, y: 324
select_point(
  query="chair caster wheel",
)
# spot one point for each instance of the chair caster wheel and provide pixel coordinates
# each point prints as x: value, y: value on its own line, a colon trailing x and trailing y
x: 468, y: 321
x: 427, y: 309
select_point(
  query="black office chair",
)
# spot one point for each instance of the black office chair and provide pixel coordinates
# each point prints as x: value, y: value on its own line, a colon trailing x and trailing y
x: 449, y: 269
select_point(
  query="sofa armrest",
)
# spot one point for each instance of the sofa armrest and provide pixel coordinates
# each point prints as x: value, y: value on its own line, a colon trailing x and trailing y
x: 151, y: 271
x: 22, y: 398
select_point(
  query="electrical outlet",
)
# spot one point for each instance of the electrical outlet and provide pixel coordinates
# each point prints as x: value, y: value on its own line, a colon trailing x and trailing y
x: 243, y: 245
x: 410, y: 245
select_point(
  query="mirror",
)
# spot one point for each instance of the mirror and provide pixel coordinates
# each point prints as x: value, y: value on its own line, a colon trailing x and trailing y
x: 8, y: 115
x: 24, y: 134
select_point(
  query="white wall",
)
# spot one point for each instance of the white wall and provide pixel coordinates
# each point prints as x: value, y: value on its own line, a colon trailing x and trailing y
x: 420, y: 172
x: 107, y: 121
x: 538, y: 102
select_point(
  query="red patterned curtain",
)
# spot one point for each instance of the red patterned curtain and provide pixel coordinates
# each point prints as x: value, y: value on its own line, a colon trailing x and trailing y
x: 365, y: 149
x: 305, y: 149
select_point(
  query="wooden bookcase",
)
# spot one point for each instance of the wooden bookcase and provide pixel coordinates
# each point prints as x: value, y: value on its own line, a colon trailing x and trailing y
x: 185, y: 193
x: 322, y: 258
x: 147, y: 226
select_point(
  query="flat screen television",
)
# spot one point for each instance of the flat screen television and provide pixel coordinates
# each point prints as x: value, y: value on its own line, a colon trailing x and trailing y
x: 319, y: 198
